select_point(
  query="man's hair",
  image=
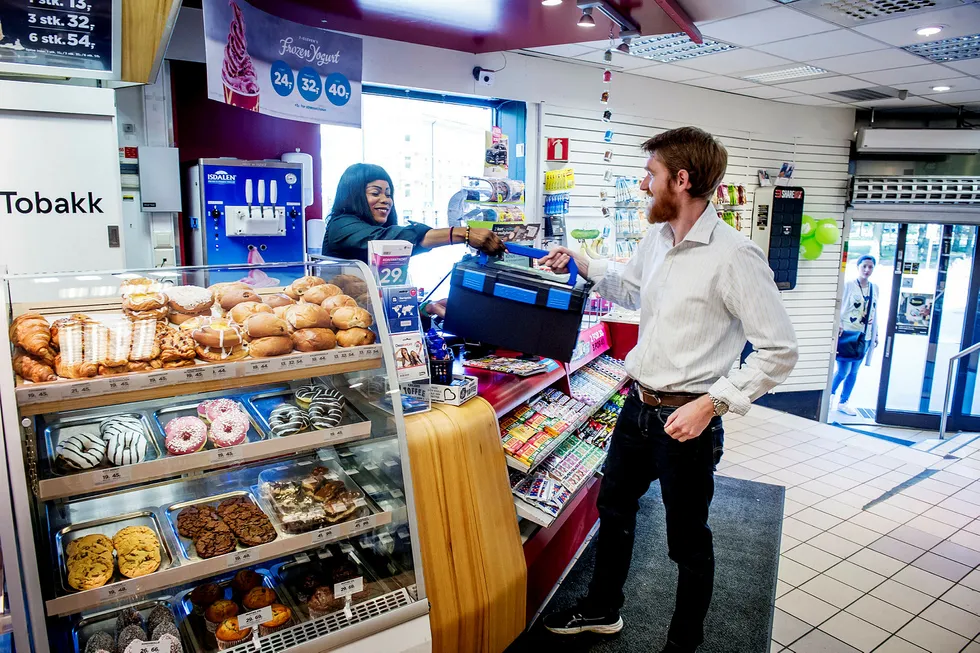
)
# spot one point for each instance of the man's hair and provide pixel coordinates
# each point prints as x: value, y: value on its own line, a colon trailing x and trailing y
x: 694, y: 150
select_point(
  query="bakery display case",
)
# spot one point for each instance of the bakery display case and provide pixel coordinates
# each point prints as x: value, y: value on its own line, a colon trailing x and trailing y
x: 201, y: 467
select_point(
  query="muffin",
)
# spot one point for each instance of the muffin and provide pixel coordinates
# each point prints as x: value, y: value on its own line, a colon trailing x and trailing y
x: 128, y: 617
x: 165, y: 629
x: 282, y: 617
x: 101, y: 641
x: 159, y: 615
x: 218, y: 612
x: 323, y: 603
x: 130, y: 634
x: 228, y: 635
x: 245, y: 581
x: 204, y: 595
x: 259, y: 597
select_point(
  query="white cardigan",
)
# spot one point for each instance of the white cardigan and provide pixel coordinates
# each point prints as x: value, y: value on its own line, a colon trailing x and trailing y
x: 852, y: 308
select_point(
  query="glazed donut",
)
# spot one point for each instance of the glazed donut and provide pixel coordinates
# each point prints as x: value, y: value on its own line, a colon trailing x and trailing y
x: 245, y: 310
x: 221, y: 355
x: 137, y: 286
x: 126, y: 448
x: 144, y: 301
x: 326, y: 412
x: 278, y: 299
x: 335, y: 302
x: 318, y: 293
x: 228, y: 429
x: 287, y: 419
x: 193, y: 322
x: 351, y: 317
x: 301, y: 285
x: 190, y: 300
x: 185, y: 435
x: 219, y: 334
x: 180, y: 319
x: 80, y: 451
x: 232, y: 298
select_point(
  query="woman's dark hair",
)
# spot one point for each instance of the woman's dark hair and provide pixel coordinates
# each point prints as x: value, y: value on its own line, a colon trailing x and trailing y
x: 351, y: 196
x: 867, y: 257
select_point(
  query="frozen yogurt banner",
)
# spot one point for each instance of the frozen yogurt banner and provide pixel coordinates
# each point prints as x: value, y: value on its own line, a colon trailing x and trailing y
x: 259, y: 62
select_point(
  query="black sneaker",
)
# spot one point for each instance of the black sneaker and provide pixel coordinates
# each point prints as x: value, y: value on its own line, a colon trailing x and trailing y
x: 582, y: 619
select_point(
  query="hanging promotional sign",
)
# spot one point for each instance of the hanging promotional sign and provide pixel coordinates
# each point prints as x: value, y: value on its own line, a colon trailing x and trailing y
x: 914, y: 313
x: 75, y: 38
x: 259, y: 62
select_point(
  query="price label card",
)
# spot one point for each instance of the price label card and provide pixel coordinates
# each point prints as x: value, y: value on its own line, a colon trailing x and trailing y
x: 238, y: 558
x: 362, y: 524
x: 260, y: 367
x: 333, y: 434
x: 370, y: 351
x: 301, y: 558
x: 320, y: 358
x: 290, y: 362
x: 324, y: 535
x: 159, y: 379
x: 112, y: 476
x: 348, y: 587
x: 31, y: 395
x: 122, y: 384
x: 76, y: 390
x: 116, y: 593
x: 371, y: 467
x: 221, y: 371
x: 346, y: 354
x: 227, y: 455
x: 195, y: 374
x: 255, y: 617
x: 157, y: 646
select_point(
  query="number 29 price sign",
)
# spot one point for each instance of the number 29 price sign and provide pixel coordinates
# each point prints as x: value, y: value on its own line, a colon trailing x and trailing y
x: 389, y: 261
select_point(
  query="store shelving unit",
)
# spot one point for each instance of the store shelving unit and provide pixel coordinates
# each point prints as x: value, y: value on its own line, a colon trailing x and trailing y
x: 366, y: 451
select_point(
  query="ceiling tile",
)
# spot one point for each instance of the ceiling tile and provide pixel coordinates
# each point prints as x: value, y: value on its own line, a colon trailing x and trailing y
x: 762, y: 26
x: 733, y: 61
x: 970, y: 66
x: 816, y: 46
x: 958, y: 21
x: 766, y: 92
x: 869, y: 61
x: 899, y: 76
x: 956, y: 85
x: 703, y: 11
x: 567, y: 50
x: 825, y: 84
x: 956, y: 98
x: 722, y: 83
x: 669, y: 72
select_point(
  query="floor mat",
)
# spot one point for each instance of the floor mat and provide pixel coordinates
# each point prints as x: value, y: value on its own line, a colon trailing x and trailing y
x: 746, y: 518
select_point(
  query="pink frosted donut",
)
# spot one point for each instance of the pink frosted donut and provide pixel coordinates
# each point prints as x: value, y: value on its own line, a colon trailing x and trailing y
x: 219, y: 407
x: 229, y: 429
x: 202, y: 408
x: 185, y: 435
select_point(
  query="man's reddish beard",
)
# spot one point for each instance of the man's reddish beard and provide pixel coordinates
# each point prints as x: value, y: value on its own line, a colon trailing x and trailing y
x: 663, y: 209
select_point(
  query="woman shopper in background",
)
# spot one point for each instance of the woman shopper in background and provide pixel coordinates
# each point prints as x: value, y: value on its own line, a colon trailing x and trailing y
x: 858, y: 331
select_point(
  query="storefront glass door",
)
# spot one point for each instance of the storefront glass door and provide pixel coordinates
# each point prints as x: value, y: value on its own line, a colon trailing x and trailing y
x: 930, y: 317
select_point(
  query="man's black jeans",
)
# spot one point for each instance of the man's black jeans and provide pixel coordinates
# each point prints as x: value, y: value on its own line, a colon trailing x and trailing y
x: 640, y: 453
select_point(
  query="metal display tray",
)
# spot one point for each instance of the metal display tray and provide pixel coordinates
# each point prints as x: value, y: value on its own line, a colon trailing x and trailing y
x: 105, y: 621
x: 187, y: 550
x: 162, y: 416
x: 60, y: 429
x: 263, y: 403
x: 109, y: 527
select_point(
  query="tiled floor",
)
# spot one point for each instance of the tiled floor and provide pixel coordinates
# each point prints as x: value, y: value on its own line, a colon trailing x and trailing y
x: 881, y: 542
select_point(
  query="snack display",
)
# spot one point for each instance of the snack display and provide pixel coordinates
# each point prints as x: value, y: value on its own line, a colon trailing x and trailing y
x: 287, y: 419
x: 598, y: 430
x: 185, y: 435
x: 319, y: 293
x: 514, y: 366
x: 80, y: 451
x: 296, y: 289
x: 228, y: 430
x: 306, y: 501
x: 89, y: 560
x: 218, y: 529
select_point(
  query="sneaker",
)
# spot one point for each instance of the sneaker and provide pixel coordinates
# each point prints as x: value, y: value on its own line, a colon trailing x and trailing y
x: 581, y: 619
x: 845, y: 408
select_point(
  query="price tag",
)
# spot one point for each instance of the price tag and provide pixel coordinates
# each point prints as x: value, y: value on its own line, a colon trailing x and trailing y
x: 333, y: 434
x: 76, y: 390
x: 259, y: 367
x: 220, y: 371
x: 32, y: 395
x: 338, y: 506
x: 238, y: 558
x: 348, y: 587
x: 347, y: 611
x: 290, y: 363
x: 159, y: 379
x: 346, y: 548
x: 120, y: 385
x: 386, y: 541
x: 255, y: 617
x: 116, y: 593
x: 195, y: 374
x: 346, y: 354
x: 361, y: 524
x: 320, y: 358
x: 324, y: 535
x: 370, y: 489
x: 158, y: 646
x: 112, y: 476
x: 227, y: 455
x: 301, y: 558
x: 370, y: 351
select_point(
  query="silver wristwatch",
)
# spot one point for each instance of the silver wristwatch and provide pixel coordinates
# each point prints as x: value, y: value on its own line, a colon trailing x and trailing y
x: 720, y: 406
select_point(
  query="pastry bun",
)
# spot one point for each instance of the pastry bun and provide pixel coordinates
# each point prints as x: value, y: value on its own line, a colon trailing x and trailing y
x: 219, y: 334
x: 219, y: 289
x: 161, y: 313
x: 335, y: 302
x: 271, y: 346
x: 355, y: 337
x: 194, y: 319
x: 280, y: 311
x: 351, y: 284
x: 264, y: 325
x: 278, y: 299
x: 317, y: 294
x: 219, y: 355
x: 351, y: 317
x: 301, y: 285
x: 144, y: 301
x: 314, y: 339
x: 138, y: 285
x: 229, y: 299
x: 191, y: 322
x: 307, y: 316
x: 243, y: 311
x: 75, y: 370
x: 191, y: 300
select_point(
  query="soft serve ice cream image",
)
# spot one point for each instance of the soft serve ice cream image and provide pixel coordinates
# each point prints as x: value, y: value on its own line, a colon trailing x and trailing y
x: 237, y: 71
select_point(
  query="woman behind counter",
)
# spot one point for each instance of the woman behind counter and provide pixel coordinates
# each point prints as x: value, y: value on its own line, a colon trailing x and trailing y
x: 364, y: 210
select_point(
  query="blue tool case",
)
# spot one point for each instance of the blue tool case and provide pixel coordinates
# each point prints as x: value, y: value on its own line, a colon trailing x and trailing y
x: 517, y: 308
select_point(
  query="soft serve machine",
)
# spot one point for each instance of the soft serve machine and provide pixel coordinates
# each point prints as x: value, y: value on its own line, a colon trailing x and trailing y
x: 247, y: 212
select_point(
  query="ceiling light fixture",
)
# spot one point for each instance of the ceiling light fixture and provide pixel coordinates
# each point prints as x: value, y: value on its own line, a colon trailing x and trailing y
x: 586, y: 20
x: 930, y: 30
x: 954, y: 49
x: 785, y: 74
x: 940, y: 89
x: 551, y: 3
x: 627, y: 26
x: 673, y: 47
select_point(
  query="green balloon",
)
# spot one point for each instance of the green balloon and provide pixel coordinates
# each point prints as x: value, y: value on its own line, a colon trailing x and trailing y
x: 810, y: 249
x: 809, y: 226
x: 827, y: 232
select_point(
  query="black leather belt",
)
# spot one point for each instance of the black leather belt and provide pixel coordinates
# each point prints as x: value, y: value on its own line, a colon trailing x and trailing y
x: 669, y: 399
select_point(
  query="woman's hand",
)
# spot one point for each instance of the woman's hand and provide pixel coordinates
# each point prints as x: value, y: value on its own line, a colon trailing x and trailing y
x: 486, y: 241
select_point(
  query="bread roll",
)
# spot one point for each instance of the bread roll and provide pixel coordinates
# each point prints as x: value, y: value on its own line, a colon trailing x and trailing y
x: 219, y: 289
x: 243, y: 311
x: 317, y: 294
x: 355, y: 337
x: 351, y: 317
x: 314, y: 339
x: 278, y: 299
x: 335, y: 302
x: 272, y: 346
x: 301, y: 285
x: 307, y: 316
x: 264, y: 325
x: 280, y: 311
x: 351, y: 284
x: 235, y: 296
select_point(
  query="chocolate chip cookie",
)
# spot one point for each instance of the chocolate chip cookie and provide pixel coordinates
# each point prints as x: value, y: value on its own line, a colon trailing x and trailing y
x: 192, y: 520
x: 249, y: 524
x: 214, y: 539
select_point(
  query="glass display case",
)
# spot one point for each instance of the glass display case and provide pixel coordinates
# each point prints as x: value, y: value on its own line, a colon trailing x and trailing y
x: 201, y: 466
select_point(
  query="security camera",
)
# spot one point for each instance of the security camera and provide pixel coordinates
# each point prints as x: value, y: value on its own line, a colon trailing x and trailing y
x: 483, y: 76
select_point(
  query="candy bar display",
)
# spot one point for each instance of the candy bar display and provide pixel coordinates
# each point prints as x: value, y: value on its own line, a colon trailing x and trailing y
x: 530, y: 431
x: 598, y: 430
x: 595, y: 381
x: 559, y: 477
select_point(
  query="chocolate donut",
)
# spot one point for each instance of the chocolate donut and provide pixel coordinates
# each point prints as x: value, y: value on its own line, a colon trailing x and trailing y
x: 287, y: 419
x: 326, y: 412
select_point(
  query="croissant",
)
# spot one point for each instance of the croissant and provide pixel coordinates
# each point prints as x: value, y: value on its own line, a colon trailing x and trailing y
x: 31, y: 332
x: 30, y: 369
x: 76, y: 369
